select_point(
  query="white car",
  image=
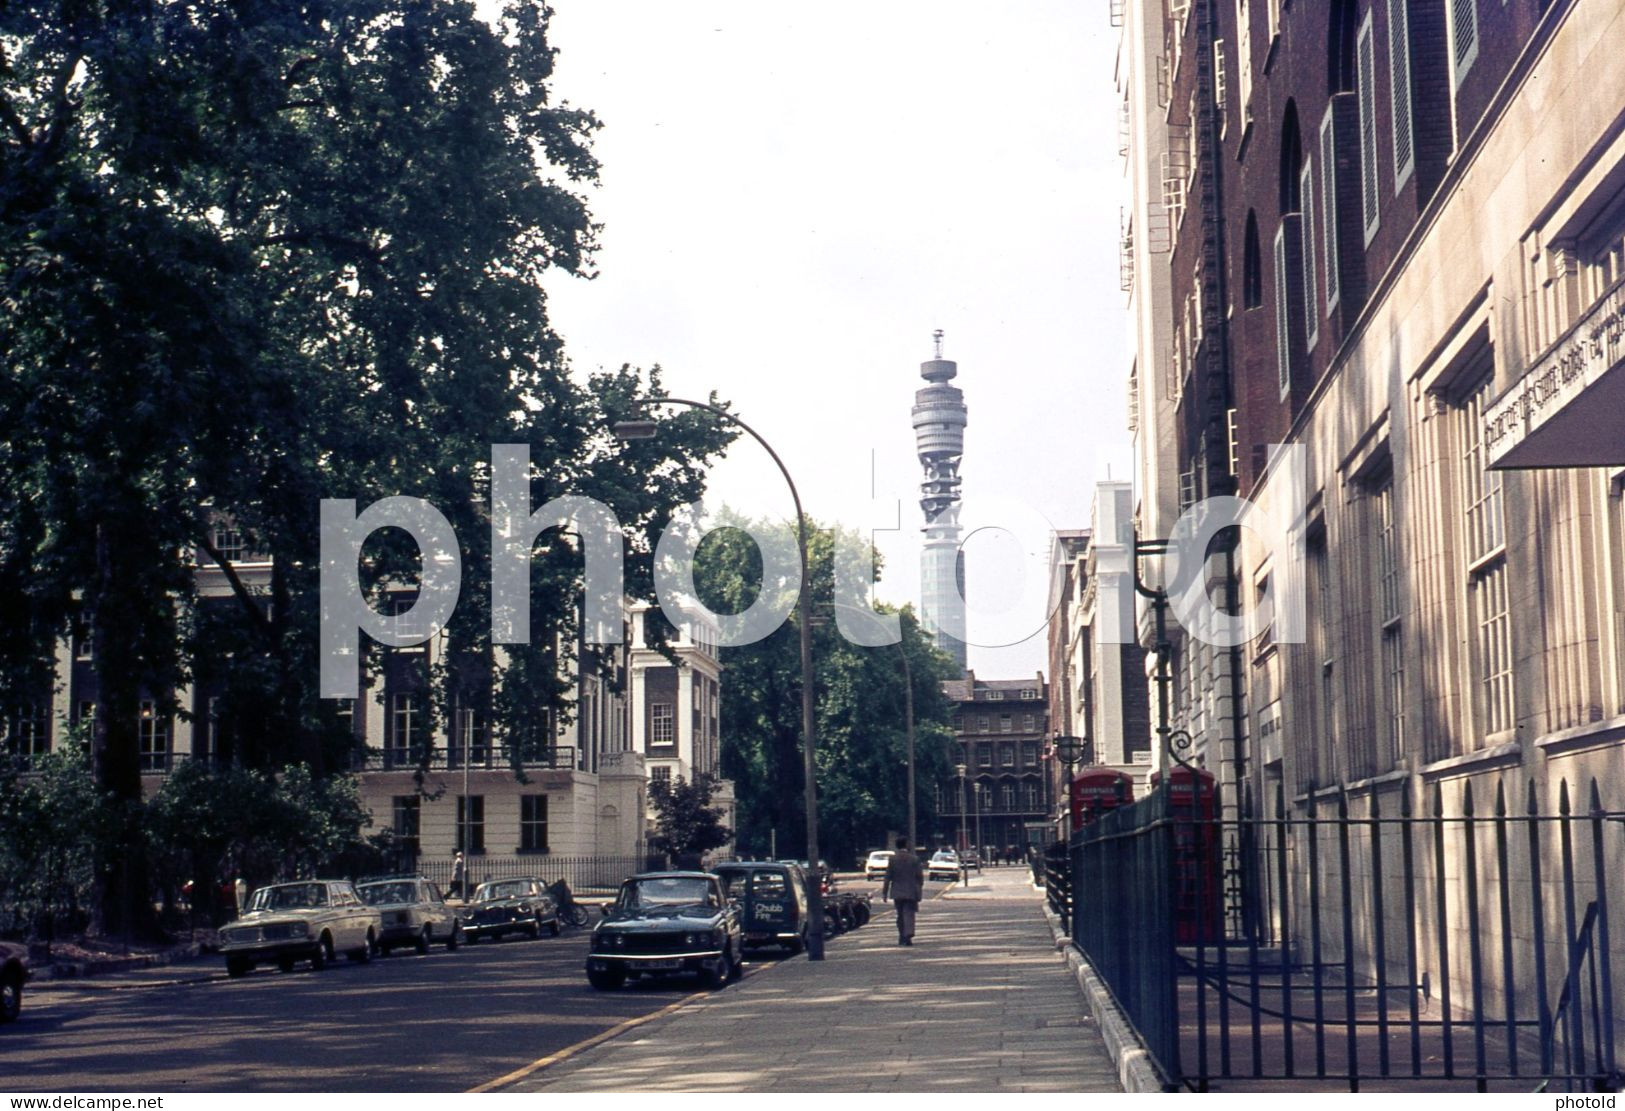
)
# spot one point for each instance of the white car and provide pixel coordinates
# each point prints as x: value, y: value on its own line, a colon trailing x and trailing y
x: 875, y: 867
x: 944, y: 865
x: 310, y: 920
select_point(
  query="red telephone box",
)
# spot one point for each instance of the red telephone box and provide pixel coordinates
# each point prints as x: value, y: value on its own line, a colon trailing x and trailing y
x: 1197, y: 896
x: 1095, y: 791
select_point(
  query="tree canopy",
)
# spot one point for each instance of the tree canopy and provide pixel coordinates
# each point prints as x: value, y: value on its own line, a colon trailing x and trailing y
x: 254, y: 255
x: 861, y: 743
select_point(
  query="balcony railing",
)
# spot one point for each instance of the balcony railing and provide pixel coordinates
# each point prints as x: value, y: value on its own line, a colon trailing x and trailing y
x: 481, y: 757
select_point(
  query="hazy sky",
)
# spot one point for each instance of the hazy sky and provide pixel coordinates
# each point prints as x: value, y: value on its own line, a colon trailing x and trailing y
x: 794, y: 196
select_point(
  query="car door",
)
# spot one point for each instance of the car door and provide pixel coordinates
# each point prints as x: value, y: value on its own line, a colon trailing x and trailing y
x: 436, y: 911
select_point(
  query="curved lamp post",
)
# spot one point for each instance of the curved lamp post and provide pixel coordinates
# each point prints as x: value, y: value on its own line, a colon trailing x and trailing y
x: 645, y: 429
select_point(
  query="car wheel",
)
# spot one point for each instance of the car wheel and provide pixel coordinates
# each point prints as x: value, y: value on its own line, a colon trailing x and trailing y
x: 861, y: 912
x: 11, y: 995
x: 236, y: 967
x: 363, y: 954
x: 716, y: 978
x: 323, y: 956
x: 553, y: 927
x: 534, y: 930
x: 608, y: 980
x: 455, y: 938
x: 284, y: 963
x: 736, y: 968
x: 423, y: 941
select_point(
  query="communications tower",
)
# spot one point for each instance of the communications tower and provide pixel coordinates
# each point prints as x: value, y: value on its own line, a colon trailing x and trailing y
x: 939, y: 439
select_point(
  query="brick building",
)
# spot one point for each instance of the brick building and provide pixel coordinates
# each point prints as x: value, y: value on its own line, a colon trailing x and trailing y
x: 1001, y: 727
x: 1389, y: 233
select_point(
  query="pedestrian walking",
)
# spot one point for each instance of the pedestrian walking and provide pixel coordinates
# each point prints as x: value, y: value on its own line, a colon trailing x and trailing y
x: 458, y: 871
x: 904, y: 884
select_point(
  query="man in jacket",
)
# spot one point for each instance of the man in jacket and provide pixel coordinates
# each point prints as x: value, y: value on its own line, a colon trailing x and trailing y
x: 904, y: 885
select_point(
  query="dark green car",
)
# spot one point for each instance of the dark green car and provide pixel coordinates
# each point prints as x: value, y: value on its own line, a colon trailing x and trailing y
x: 772, y: 902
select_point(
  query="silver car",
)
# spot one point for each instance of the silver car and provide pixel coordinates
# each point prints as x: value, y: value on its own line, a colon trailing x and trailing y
x: 307, y: 920
x: 412, y: 912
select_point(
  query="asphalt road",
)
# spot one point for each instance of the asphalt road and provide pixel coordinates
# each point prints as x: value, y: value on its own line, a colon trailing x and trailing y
x: 445, y: 1022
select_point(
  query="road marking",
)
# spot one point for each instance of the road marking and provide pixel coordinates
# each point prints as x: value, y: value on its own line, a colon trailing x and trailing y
x: 599, y: 1038
x: 570, y: 1051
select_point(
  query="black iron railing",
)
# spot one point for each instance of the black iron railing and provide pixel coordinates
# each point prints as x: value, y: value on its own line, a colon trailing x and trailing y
x: 586, y: 875
x: 1350, y: 939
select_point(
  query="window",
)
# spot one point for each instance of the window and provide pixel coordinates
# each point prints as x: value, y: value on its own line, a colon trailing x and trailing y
x: 230, y: 544
x: 1029, y: 753
x: 1399, y: 68
x: 1029, y: 693
x: 153, y: 737
x: 1029, y: 796
x: 1328, y: 207
x: 1392, y: 739
x: 1322, y: 661
x: 28, y: 731
x: 407, y: 821
x: 344, y: 711
x: 1006, y: 724
x: 1283, y: 316
x: 533, y: 823
x: 84, y: 647
x: 1367, y: 81
x: 1244, y: 63
x: 984, y: 756
x: 467, y: 736
x: 413, y: 627
x: 1484, y: 547
x: 471, y: 824
x: 1029, y: 722
x: 1311, y: 299
x: 405, y: 723
x: 995, y: 696
x: 661, y: 774
x: 662, y: 724
x: 1007, y: 796
x: 1007, y: 755
x: 1463, y: 38
x: 982, y: 723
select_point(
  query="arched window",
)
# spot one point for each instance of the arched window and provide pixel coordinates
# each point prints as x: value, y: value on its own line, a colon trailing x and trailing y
x: 1252, y: 266
x: 1291, y: 160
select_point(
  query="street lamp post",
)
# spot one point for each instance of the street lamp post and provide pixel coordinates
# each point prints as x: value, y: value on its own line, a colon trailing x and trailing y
x: 642, y: 430
x: 959, y: 770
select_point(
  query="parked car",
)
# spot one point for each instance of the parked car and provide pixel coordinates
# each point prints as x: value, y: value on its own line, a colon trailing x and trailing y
x: 772, y: 901
x: 14, y: 974
x: 663, y: 923
x: 412, y: 912
x: 970, y: 858
x: 511, y: 906
x: 875, y: 867
x: 944, y: 865
x: 307, y: 920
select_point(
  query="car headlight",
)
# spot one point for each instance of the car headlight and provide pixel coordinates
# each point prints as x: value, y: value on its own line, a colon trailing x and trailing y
x: 524, y: 908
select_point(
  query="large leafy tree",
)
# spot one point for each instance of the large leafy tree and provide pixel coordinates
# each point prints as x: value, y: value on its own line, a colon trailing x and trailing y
x: 861, y: 748
x: 253, y: 255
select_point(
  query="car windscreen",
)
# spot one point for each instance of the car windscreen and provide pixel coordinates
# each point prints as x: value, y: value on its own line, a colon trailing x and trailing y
x: 292, y: 896
x: 385, y: 894
x: 667, y: 891
x: 506, y: 889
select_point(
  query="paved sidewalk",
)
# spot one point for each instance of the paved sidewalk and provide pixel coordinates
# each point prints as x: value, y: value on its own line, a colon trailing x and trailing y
x: 978, y: 1003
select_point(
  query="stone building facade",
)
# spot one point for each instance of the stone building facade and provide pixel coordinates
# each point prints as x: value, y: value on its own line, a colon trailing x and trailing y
x: 1391, y: 234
